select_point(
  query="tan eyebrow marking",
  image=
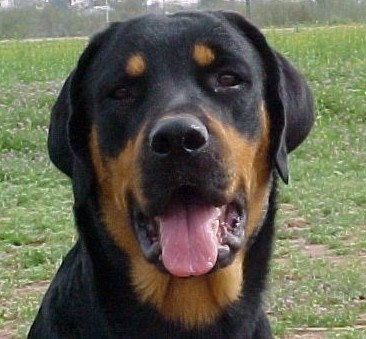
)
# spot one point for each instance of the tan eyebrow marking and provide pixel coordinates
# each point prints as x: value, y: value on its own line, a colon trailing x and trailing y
x: 203, y: 55
x: 135, y: 65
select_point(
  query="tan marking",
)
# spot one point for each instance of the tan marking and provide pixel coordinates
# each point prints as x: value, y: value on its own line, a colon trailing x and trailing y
x: 203, y: 55
x: 247, y: 166
x: 196, y: 301
x: 135, y: 65
x: 192, y: 302
x: 117, y: 177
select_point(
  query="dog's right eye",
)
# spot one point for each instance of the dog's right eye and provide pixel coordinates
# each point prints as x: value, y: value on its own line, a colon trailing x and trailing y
x: 123, y: 94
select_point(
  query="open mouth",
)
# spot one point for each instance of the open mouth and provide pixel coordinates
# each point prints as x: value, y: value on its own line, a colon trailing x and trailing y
x: 191, y: 237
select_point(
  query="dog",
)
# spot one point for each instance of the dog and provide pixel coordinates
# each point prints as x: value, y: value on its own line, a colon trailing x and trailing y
x: 174, y: 130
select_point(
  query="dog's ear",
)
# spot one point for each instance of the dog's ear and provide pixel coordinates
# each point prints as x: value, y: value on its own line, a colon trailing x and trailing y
x: 58, y: 146
x: 60, y: 150
x: 81, y: 110
x: 80, y: 121
x: 287, y: 96
x: 71, y: 121
x: 297, y: 101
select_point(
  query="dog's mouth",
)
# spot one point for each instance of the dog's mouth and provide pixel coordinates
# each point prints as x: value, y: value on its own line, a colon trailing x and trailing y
x: 191, y: 237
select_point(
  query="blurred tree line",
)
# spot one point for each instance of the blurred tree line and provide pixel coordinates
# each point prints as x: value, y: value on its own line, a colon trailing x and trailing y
x: 56, y: 18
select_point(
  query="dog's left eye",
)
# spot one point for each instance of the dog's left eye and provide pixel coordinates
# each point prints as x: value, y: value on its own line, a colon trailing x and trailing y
x: 228, y: 80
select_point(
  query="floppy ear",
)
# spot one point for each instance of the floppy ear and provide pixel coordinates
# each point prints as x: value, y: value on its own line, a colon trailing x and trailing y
x: 81, y: 114
x: 287, y: 96
x: 71, y: 121
x: 58, y: 146
x: 62, y: 147
x: 297, y: 102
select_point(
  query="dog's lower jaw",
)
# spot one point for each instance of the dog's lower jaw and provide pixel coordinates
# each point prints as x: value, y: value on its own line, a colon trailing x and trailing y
x: 193, y: 302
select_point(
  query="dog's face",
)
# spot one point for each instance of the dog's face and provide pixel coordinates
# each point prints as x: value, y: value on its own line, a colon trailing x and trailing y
x: 181, y: 122
x: 179, y: 140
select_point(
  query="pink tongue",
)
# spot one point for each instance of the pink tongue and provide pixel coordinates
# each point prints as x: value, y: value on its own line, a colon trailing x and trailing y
x: 188, y: 239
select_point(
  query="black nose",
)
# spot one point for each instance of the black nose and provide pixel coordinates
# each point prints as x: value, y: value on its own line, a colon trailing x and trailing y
x: 178, y: 134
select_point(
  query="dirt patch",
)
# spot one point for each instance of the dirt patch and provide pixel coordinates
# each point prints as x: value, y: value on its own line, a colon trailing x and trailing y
x: 287, y: 208
x: 38, y: 287
x: 35, y: 287
x: 307, y: 334
x: 320, y: 332
x: 297, y: 224
x: 316, y: 251
x: 311, y: 250
x: 8, y: 331
x: 321, y: 251
x: 361, y: 320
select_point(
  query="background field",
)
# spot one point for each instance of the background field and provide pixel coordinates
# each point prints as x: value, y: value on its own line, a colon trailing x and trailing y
x: 317, y: 285
x: 56, y: 18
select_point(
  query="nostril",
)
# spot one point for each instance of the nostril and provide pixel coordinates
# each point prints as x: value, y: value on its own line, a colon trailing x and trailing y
x: 195, y: 138
x: 160, y: 144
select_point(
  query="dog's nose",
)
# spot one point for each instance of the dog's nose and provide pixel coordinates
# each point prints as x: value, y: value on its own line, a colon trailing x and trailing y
x: 178, y: 134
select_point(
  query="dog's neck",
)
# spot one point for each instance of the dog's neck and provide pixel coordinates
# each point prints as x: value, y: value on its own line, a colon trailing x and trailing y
x: 191, y: 302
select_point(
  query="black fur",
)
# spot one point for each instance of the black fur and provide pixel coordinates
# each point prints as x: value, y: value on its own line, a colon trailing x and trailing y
x: 91, y: 295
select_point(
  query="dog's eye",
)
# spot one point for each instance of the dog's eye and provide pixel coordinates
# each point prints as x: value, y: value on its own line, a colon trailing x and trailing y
x: 228, y: 80
x: 123, y: 94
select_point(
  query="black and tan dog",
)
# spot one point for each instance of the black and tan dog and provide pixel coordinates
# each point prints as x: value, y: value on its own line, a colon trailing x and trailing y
x: 173, y: 130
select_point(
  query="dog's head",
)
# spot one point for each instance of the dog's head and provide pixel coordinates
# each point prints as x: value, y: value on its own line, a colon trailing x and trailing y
x: 180, y: 122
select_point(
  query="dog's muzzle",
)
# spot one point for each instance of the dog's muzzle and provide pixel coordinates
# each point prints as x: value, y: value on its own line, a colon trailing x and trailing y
x: 189, y: 226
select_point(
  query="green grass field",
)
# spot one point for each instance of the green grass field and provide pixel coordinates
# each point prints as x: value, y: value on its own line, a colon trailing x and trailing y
x: 317, y: 287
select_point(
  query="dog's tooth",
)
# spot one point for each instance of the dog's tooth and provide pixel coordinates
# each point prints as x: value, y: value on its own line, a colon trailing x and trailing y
x: 215, y: 225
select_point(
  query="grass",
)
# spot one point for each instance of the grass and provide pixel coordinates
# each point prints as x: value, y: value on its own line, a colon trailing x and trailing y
x: 319, y: 272
x: 317, y: 282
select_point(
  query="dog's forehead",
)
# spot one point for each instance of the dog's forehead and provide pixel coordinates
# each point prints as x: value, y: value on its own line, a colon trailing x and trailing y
x: 177, y: 32
x: 140, y: 45
x: 162, y: 27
